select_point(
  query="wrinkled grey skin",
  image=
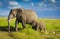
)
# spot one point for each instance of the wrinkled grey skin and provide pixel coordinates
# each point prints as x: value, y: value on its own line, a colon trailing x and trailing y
x: 39, y: 26
x: 22, y: 16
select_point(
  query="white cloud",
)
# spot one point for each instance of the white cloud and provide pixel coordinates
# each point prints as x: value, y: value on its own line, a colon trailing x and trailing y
x: 13, y: 4
x: 47, y: 7
x: 53, y: 4
x: 32, y: 3
x: 50, y: 1
x: 53, y: 1
x: 25, y: 0
x: 57, y: 4
x: 42, y: 4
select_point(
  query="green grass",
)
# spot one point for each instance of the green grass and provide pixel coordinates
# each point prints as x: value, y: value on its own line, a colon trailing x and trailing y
x: 53, y: 28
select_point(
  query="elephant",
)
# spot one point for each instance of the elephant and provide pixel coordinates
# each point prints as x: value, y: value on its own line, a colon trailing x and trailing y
x: 39, y: 26
x: 24, y: 16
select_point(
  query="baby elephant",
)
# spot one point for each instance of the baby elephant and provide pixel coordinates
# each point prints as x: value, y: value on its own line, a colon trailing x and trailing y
x: 39, y: 26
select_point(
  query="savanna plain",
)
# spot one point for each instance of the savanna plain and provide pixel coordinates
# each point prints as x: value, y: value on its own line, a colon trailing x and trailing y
x: 52, y: 25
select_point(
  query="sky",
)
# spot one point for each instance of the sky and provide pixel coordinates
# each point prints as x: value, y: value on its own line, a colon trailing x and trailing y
x: 43, y: 8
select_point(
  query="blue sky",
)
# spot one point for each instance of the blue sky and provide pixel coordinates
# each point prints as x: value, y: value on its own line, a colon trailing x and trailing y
x: 43, y: 8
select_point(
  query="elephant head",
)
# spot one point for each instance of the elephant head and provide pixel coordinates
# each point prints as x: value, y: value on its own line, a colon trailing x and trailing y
x: 13, y: 13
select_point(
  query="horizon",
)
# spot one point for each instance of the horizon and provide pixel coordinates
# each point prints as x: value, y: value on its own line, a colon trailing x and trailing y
x: 43, y: 8
x: 38, y: 17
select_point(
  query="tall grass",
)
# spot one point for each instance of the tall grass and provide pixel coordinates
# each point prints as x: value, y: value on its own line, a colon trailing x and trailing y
x: 53, y: 28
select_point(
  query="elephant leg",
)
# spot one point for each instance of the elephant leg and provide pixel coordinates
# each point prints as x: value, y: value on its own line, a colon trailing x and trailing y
x: 40, y: 29
x: 23, y: 21
x: 44, y: 28
x: 16, y: 25
x: 37, y: 27
x: 23, y: 24
x: 8, y: 26
x: 33, y: 25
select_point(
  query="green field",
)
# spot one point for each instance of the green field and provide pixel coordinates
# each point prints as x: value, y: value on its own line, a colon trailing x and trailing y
x: 52, y: 25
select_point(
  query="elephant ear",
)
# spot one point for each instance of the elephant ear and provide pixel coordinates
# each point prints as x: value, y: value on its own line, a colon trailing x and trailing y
x: 20, y: 10
x: 10, y: 11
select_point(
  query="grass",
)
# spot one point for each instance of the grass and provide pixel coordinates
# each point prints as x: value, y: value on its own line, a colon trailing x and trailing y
x: 53, y: 28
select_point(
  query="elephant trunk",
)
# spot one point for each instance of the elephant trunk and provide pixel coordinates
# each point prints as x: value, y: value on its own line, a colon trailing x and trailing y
x: 9, y: 19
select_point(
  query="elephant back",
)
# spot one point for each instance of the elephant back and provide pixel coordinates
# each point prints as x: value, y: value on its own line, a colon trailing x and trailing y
x: 30, y: 15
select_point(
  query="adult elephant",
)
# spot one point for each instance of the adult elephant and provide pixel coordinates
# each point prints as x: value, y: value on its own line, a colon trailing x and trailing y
x: 23, y: 16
